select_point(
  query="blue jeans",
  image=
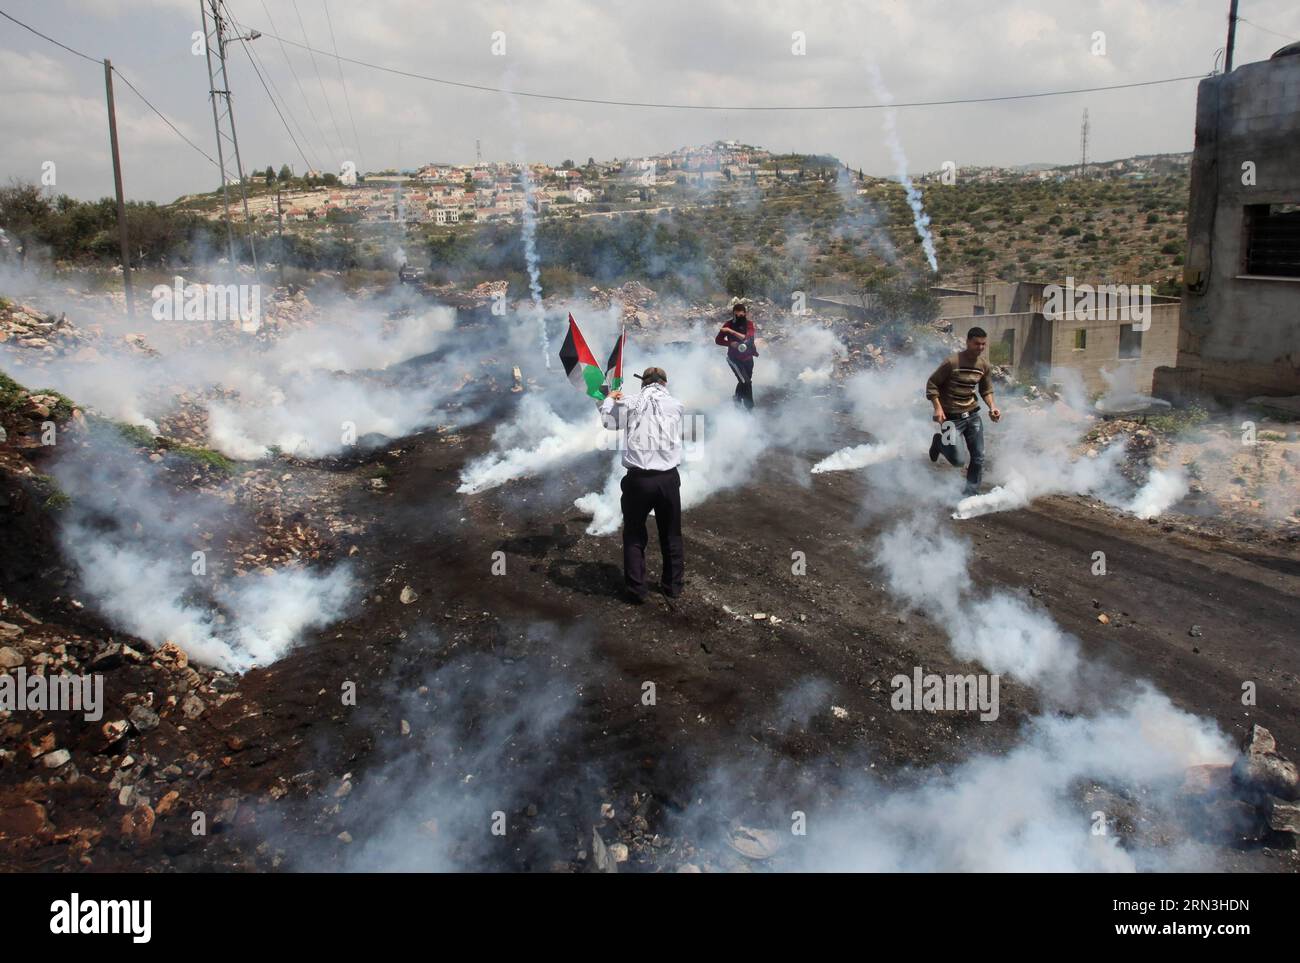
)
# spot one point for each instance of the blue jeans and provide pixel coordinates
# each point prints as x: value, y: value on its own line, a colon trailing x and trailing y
x: 971, y: 427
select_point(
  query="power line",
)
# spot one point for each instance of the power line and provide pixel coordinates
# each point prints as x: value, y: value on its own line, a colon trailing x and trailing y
x: 346, y: 96
x: 164, y: 119
x: 253, y: 63
x: 316, y: 67
x: 1265, y: 29
x: 117, y: 70
x: 254, y: 60
x: 634, y: 103
x: 93, y: 60
x: 298, y: 81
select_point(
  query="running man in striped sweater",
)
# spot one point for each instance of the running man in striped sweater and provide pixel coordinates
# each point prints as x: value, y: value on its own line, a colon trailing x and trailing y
x: 952, y: 390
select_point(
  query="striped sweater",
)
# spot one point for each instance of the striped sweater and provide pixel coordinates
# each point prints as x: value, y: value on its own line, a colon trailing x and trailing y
x: 957, y: 381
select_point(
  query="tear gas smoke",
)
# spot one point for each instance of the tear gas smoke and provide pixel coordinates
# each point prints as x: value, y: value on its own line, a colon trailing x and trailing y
x: 920, y: 219
x: 132, y: 546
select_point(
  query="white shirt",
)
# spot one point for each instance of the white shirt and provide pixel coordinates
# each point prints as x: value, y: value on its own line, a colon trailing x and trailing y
x: 651, y: 425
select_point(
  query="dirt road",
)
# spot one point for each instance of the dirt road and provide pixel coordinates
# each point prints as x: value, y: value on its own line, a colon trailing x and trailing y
x: 524, y: 694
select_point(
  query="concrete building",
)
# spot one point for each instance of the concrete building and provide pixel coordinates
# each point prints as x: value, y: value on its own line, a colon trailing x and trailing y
x: 1239, y: 333
x: 1042, y: 331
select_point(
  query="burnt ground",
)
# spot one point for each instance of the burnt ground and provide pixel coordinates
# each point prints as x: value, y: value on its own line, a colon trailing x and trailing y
x: 522, y: 693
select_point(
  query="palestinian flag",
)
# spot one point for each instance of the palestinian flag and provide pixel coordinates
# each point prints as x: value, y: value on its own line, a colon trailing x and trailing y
x: 580, y: 364
x: 614, y: 366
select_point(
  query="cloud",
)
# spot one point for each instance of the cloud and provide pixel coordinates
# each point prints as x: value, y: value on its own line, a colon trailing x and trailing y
x: 728, y: 52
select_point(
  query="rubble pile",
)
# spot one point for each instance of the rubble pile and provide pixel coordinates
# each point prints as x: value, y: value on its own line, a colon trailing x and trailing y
x: 74, y: 784
x: 295, y: 523
x: 1255, y: 799
x: 1250, y: 478
x: 27, y: 327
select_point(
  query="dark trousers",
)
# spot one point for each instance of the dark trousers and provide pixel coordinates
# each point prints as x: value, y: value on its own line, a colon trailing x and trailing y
x: 744, y: 372
x: 970, y: 427
x: 660, y: 491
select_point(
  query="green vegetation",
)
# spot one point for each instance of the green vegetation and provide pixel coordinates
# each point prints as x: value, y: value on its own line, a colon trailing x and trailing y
x: 14, y: 397
x: 808, y: 225
x: 136, y: 435
x: 12, y: 394
x: 57, y: 500
x: 205, y: 456
x: 1179, y: 420
x: 141, y: 437
x: 67, y: 229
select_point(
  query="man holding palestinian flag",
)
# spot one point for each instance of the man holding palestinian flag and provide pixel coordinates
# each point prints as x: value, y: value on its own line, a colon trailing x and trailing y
x: 651, y: 427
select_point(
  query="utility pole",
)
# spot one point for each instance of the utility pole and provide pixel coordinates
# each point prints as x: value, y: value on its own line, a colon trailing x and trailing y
x: 117, y: 183
x: 1232, y: 37
x: 223, y: 118
x: 279, y: 230
x: 1083, y: 145
x: 478, y: 152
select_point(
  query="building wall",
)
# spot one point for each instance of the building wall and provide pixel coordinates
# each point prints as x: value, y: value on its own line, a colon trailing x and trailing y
x: 1159, y: 347
x: 1026, y: 333
x: 1239, y: 336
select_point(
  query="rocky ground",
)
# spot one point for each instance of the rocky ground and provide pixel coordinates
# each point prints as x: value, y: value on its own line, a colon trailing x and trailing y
x: 523, y: 693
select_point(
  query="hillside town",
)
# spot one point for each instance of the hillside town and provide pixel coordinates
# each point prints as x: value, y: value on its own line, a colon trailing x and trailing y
x: 448, y: 194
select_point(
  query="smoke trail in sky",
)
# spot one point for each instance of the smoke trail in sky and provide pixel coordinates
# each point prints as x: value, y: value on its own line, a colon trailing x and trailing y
x: 528, y: 220
x: 919, y: 217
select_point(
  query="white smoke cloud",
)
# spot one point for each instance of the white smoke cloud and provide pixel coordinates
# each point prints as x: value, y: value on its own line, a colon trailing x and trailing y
x: 132, y: 541
x: 144, y: 592
x: 857, y: 456
x: 1163, y: 489
x: 536, y: 440
x: 920, y: 219
x: 1019, y: 811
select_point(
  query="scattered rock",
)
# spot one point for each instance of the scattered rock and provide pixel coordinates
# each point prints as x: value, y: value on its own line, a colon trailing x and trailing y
x: 167, y: 803
x: 144, y: 718
x: 1262, y: 768
x: 10, y: 658
x: 756, y: 844
x: 408, y: 595
x: 113, y: 731
x: 22, y: 819
x: 1284, y: 817
x: 137, y: 825
x: 602, y: 861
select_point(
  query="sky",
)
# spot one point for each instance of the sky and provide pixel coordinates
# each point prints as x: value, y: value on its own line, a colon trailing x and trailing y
x: 738, y: 53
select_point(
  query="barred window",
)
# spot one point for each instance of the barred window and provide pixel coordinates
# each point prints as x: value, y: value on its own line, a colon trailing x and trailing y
x: 1272, y: 240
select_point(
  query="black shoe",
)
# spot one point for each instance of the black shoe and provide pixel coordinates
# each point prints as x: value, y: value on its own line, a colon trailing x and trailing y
x: 634, y: 598
x: 971, y: 490
x: 935, y: 442
x: 672, y: 593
